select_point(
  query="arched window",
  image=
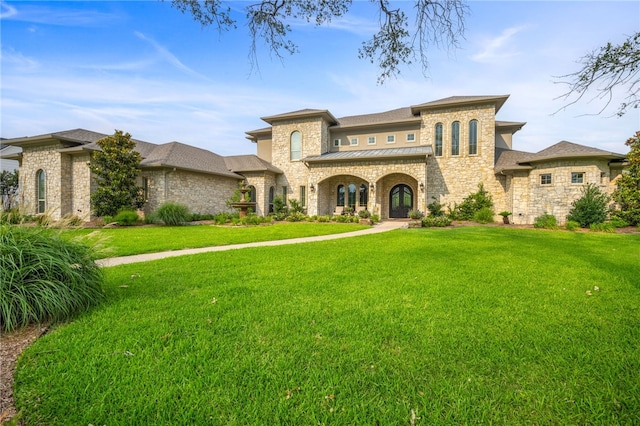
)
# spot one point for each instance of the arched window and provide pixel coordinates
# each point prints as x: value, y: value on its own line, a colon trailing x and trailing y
x: 455, y: 138
x: 352, y: 195
x: 41, y: 191
x: 438, y: 152
x: 251, y: 194
x: 340, y: 195
x: 473, y: 137
x: 272, y: 195
x: 296, y: 145
x: 364, y: 195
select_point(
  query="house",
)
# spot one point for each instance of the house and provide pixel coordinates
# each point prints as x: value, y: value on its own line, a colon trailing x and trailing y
x: 395, y: 161
x: 388, y: 163
x: 6, y: 152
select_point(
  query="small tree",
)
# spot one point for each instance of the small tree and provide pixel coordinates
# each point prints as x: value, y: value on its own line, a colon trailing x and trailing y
x: 116, y: 167
x: 627, y: 193
x: 590, y: 208
x: 8, y: 189
x: 473, y: 203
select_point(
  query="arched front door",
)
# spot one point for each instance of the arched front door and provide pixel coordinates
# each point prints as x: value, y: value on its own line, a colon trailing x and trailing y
x: 400, y: 201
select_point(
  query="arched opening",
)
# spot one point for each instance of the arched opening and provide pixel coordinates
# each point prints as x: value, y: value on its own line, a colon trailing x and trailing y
x: 41, y: 191
x: 400, y: 201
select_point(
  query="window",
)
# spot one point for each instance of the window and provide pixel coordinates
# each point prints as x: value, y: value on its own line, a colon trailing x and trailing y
x: 577, y: 177
x: 303, y: 196
x: 364, y: 195
x: 340, y: 195
x: 284, y: 194
x: 336, y: 142
x: 371, y: 140
x: 391, y: 139
x: 473, y: 137
x: 296, y: 146
x: 145, y: 188
x: 352, y: 195
x: 272, y: 195
x: 251, y: 194
x: 41, y: 191
x: 545, y: 179
x: 354, y: 141
x: 438, y: 152
x: 411, y: 137
x: 455, y: 138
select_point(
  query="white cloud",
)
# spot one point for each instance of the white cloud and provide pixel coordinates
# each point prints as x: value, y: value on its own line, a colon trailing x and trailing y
x: 57, y: 15
x: 498, y: 47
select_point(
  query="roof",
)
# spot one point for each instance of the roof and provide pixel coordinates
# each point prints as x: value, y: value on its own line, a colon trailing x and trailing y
x: 249, y: 163
x: 511, y: 126
x: 400, y: 115
x: 454, y: 101
x: 421, y: 151
x: 303, y: 113
x: 519, y: 160
x: 182, y: 156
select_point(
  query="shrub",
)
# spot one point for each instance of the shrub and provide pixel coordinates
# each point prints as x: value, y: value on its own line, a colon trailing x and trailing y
x: 375, y: 218
x: 173, y: 214
x: 435, y: 208
x: 280, y: 210
x: 416, y: 214
x: 618, y: 222
x: 602, y: 227
x: 43, y: 219
x: 325, y: 218
x: 107, y: 219
x: 296, y: 217
x: 546, y: 221
x: 200, y: 216
x: 472, y: 204
x: 296, y: 207
x: 126, y: 218
x: 572, y: 225
x: 590, y: 208
x: 44, y: 277
x: 364, y: 214
x: 436, y: 221
x: 484, y: 215
x: 11, y: 216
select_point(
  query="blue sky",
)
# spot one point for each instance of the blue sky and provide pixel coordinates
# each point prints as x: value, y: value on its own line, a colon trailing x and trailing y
x: 145, y: 68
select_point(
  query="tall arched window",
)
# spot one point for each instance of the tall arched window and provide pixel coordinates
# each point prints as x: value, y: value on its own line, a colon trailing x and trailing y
x: 352, y: 195
x: 364, y: 195
x: 272, y: 195
x: 473, y: 137
x: 251, y: 195
x: 296, y: 145
x: 438, y: 152
x: 41, y: 191
x: 455, y: 138
x: 340, y: 195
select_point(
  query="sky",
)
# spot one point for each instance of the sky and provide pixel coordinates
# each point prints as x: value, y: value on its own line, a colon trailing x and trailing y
x: 146, y: 68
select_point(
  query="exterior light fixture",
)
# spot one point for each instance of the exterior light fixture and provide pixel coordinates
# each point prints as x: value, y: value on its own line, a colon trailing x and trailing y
x: 421, y: 186
x: 313, y: 188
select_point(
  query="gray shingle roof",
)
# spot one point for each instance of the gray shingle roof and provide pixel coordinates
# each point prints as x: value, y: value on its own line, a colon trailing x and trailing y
x: 396, y: 115
x: 249, y: 163
x: 371, y: 154
x: 460, y: 100
x: 507, y: 159
x: 182, y: 156
x: 301, y: 114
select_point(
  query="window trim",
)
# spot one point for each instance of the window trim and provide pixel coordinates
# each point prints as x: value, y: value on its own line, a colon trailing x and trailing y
x: 337, y: 142
x: 351, y: 141
x: 370, y: 139
x: 303, y: 196
x: 391, y: 138
x: 413, y: 135
x: 544, y: 177
x: 41, y: 189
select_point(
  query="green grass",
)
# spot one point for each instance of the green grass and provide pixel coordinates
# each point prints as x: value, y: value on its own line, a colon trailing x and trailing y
x: 453, y: 326
x: 129, y: 241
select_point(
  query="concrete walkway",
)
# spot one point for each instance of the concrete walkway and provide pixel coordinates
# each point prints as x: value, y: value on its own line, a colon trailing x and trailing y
x: 380, y: 227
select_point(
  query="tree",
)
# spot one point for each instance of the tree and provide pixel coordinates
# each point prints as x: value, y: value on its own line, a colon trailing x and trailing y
x: 437, y: 22
x: 606, y: 69
x: 590, y: 208
x: 8, y: 188
x: 627, y: 193
x: 116, y: 167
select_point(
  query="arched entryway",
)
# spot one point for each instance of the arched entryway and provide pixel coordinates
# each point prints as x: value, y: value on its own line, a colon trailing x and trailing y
x: 400, y: 201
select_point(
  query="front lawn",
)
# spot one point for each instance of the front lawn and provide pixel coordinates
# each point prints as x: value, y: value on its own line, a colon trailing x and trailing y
x: 484, y: 325
x: 127, y: 241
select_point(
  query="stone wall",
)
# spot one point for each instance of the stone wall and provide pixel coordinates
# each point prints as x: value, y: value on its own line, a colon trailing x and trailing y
x: 80, y: 202
x: 44, y: 158
x: 532, y: 199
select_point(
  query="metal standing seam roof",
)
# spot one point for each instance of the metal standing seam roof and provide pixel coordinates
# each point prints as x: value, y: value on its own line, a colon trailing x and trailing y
x: 371, y: 154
